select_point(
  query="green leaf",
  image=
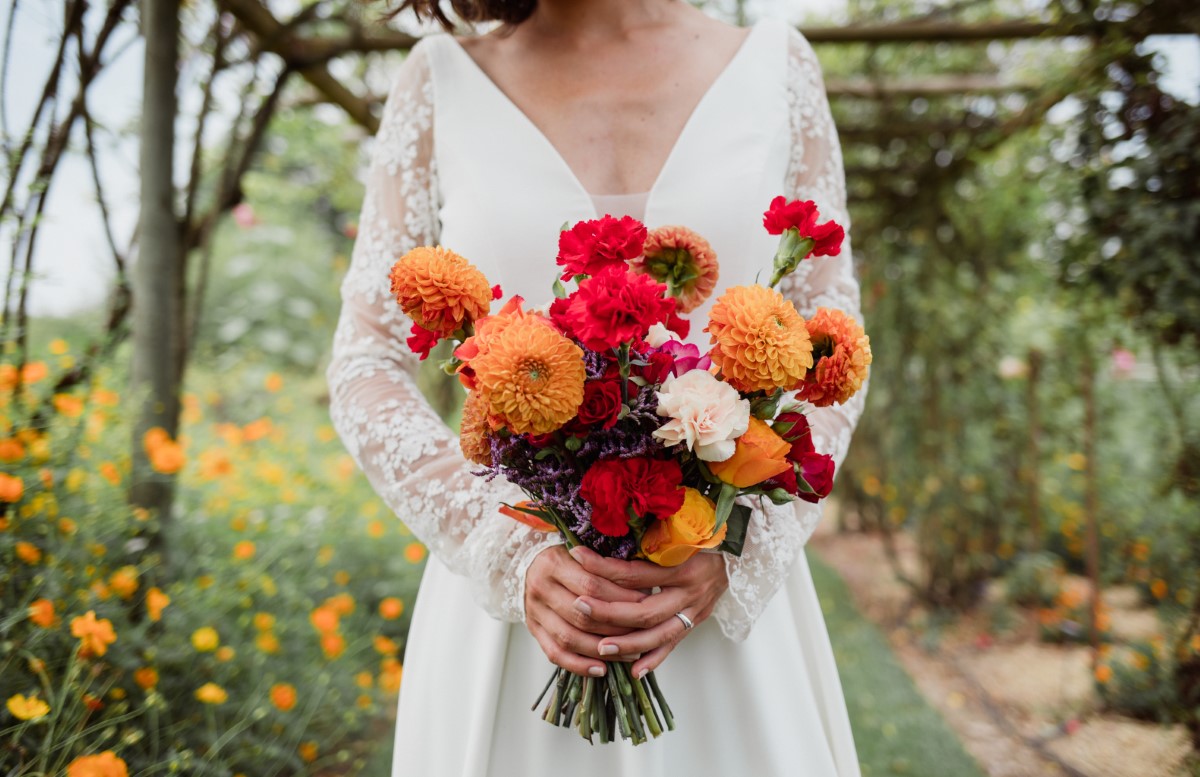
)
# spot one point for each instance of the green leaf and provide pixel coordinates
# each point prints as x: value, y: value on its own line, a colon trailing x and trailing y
x: 725, y: 504
x: 735, y: 534
x: 560, y: 291
x: 573, y: 443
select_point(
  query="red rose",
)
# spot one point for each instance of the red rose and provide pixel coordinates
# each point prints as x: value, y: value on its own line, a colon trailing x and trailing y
x: 616, y: 306
x: 802, y: 214
x: 601, y: 404
x: 785, y: 480
x: 659, y: 365
x: 590, y: 246
x: 422, y: 341
x: 651, y: 487
x: 793, y: 426
x: 817, y: 471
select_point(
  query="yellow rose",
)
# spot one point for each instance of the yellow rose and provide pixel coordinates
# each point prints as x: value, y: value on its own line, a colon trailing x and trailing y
x: 671, y: 542
x: 760, y: 454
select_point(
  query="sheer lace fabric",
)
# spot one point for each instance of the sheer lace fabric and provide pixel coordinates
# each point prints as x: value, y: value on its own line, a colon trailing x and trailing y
x: 410, y: 456
x: 412, y: 459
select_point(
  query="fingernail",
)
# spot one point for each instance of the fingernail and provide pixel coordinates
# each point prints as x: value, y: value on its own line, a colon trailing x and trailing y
x: 576, y: 552
x: 583, y: 607
x: 608, y: 650
x: 633, y: 657
x: 596, y: 671
x: 642, y: 672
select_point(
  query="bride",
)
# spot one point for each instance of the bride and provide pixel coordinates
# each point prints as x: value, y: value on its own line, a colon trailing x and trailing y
x: 569, y: 110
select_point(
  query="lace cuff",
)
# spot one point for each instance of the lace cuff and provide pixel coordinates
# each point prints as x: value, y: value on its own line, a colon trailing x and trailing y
x: 815, y: 172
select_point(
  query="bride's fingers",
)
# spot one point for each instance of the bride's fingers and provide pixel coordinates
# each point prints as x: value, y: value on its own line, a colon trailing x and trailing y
x: 652, y: 660
x: 570, y: 638
x: 559, y: 656
x: 668, y: 632
x: 583, y: 583
x: 626, y: 574
x: 565, y: 604
x: 646, y: 614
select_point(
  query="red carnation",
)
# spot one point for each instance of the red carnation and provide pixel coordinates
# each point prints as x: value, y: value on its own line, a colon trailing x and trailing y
x: 802, y: 214
x: 817, y: 471
x: 650, y: 487
x: 422, y: 341
x: 678, y: 324
x: 590, y: 246
x: 616, y: 306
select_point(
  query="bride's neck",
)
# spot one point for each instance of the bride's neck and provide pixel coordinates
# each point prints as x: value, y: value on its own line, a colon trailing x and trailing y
x: 584, y: 20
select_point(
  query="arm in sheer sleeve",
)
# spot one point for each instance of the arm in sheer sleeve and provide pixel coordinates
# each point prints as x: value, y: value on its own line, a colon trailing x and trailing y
x: 815, y: 172
x: 409, y: 455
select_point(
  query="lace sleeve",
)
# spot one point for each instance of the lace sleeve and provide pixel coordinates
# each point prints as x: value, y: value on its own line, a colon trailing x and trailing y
x: 410, y: 457
x: 815, y: 172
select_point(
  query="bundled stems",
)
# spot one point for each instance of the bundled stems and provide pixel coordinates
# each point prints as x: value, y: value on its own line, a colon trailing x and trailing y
x: 615, y: 704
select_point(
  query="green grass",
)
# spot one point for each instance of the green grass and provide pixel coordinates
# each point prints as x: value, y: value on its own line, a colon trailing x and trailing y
x: 896, y: 731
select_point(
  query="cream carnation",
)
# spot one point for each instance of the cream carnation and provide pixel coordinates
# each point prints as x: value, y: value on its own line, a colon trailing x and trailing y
x: 706, y: 414
x: 659, y: 335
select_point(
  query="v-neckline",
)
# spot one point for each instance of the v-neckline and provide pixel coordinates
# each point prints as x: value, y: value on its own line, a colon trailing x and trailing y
x: 740, y: 54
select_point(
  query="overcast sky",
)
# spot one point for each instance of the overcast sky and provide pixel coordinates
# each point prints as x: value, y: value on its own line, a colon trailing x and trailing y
x: 72, y: 263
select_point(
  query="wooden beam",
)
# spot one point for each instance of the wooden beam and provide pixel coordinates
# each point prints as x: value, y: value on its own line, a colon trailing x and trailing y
x: 932, y: 85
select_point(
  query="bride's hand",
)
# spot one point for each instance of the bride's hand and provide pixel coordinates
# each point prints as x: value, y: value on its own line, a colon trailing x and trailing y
x: 651, y: 627
x: 553, y: 584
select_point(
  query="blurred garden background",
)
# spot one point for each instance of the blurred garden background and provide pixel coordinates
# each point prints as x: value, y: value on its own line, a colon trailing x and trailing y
x: 196, y: 579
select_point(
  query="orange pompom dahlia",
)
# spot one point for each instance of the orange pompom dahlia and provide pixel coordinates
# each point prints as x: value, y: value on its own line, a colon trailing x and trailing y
x: 531, y: 377
x: 475, y: 436
x: 759, y: 341
x: 843, y: 354
x: 684, y: 261
x: 440, y: 290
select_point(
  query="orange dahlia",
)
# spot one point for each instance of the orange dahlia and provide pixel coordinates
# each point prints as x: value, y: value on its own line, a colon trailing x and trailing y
x: 486, y: 331
x: 475, y: 436
x: 843, y: 354
x: 684, y: 261
x: 531, y: 377
x: 759, y: 341
x: 439, y: 290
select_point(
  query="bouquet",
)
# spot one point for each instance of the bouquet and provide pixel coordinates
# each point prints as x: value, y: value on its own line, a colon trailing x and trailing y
x: 625, y: 438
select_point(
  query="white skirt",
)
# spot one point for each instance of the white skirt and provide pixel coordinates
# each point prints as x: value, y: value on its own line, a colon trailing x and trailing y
x: 771, y: 706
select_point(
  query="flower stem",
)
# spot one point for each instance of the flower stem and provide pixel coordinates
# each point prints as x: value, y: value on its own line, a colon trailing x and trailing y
x: 662, y: 701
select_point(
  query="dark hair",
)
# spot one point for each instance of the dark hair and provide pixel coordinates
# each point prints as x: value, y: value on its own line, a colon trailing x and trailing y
x: 509, y: 12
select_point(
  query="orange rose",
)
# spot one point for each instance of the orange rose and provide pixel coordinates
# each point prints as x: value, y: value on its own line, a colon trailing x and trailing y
x: 671, y: 542
x: 760, y: 454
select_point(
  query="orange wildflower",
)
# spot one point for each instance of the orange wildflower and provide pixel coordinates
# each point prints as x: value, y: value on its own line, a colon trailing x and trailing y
x: 28, y: 552
x: 267, y: 642
x: 156, y: 602
x: 146, y: 677
x: 324, y: 619
x: 283, y: 696
x: 11, y: 488
x: 256, y: 430
x: 273, y: 382
x: 11, y: 450
x: 842, y: 352
x: 124, y: 581
x: 342, y: 604
x: 759, y: 341
x: 333, y: 644
x: 682, y: 260
x: 391, y: 608
x: 41, y: 612
x: 415, y: 552
x: 109, y: 472
x: 94, y: 634
x: 106, y: 764
x: 264, y: 621
x: 211, y: 693
x: 385, y: 645
x: 475, y: 436
x: 1103, y: 673
x: 34, y: 372
x: 244, y: 550
x: 531, y: 377
x: 308, y: 751
x: 390, y: 674
x: 215, y: 464
x: 68, y: 405
x: 166, y: 455
x: 440, y: 290
x: 1159, y: 588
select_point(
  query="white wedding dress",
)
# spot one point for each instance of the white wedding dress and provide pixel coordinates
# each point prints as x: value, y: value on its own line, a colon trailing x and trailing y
x: 755, y: 689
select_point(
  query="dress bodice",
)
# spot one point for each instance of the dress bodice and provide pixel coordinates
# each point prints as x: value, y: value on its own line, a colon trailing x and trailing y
x: 505, y: 191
